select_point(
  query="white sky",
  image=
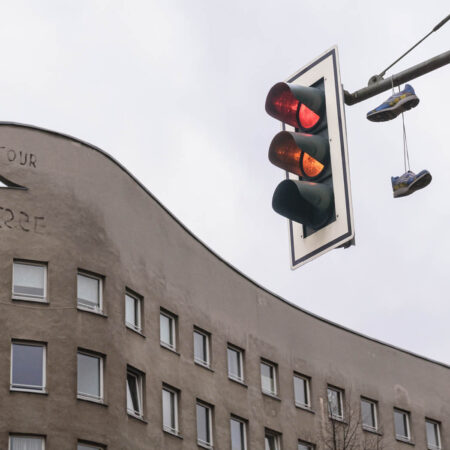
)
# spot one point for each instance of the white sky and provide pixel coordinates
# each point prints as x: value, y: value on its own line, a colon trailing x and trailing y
x: 175, y: 91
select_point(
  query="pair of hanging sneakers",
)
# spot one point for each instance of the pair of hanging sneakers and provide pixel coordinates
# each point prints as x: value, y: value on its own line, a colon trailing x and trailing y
x: 396, y: 104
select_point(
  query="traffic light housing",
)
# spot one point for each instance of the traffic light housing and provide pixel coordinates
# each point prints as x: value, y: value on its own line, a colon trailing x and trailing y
x: 315, y: 196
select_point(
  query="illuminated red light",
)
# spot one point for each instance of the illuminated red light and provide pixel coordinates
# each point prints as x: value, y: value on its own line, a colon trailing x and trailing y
x: 307, y: 117
x: 282, y: 105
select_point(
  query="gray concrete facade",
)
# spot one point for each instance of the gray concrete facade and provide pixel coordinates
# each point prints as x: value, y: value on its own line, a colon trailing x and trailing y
x: 83, y: 211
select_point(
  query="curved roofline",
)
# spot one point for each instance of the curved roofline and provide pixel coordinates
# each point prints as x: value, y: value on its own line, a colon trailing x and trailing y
x: 315, y: 316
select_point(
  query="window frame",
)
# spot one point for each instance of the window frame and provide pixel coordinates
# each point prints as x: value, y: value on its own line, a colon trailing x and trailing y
x: 43, y: 388
x: 208, y: 408
x: 438, y: 434
x: 307, y: 381
x: 97, y: 309
x: 406, y: 414
x: 90, y: 445
x: 308, y: 445
x: 273, y: 367
x: 89, y: 397
x: 31, y: 436
x: 341, y: 394
x: 139, y: 376
x: 276, y: 438
x: 243, y: 424
x: 138, y: 312
x: 174, y: 392
x: 240, y: 353
x: 173, y: 332
x: 206, y: 337
x: 30, y: 298
x: 374, y: 409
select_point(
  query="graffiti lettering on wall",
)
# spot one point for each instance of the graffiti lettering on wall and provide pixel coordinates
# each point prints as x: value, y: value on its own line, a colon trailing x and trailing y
x: 20, y: 220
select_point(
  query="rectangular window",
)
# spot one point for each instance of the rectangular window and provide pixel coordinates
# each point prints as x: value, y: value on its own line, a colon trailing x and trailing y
x: 369, y: 414
x: 133, y: 312
x: 84, y: 446
x: 304, y: 446
x: 433, y: 435
x: 335, y: 403
x: 271, y: 440
x: 26, y: 443
x: 401, y: 421
x: 201, y: 348
x: 238, y: 434
x: 204, y: 425
x: 268, y: 378
x: 27, y: 366
x: 29, y: 281
x: 170, y: 410
x: 235, y: 364
x: 89, y: 292
x: 301, y: 391
x: 134, y: 393
x: 167, y: 324
x: 89, y: 376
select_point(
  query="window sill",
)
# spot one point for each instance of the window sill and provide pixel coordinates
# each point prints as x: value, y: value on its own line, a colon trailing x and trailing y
x: 28, y: 391
x: 271, y: 395
x: 168, y: 347
x: 92, y: 400
x: 371, y: 430
x: 92, y: 311
x: 305, y: 408
x: 207, y: 367
x: 134, y: 416
x: 238, y: 381
x: 135, y: 331
x: 19, y: 298
x: 404, y: 441
x: 337, y: 419
x: 204, y: 445
x: 173, y: 433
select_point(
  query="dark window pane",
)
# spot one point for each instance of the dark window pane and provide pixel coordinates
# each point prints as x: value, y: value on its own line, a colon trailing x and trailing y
x: 27, y: 369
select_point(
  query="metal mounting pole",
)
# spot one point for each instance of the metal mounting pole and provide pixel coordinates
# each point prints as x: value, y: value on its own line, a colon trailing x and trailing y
x: 396, y: 80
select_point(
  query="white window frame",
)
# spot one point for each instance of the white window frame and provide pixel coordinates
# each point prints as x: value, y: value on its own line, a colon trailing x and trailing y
x: 138, y: 303
x: 200, y: 442
x: 306, y: 380
x: 308, y: 445
x: 43, y: 388
x: 240, y: 353
x: 172, y: 324
x: 84, y: 396
x: 139, y: 383
x: 375, y: 415
x: 174, y: 392
x: 438, y: 428
x: 244, y: 429
x: 30, y: 298
x: 97, y: 309
x: 276, y: 438
x: 408, y: 426
x: 340, y: 393
x: 206, y: 337
x: 273, y: 366
x: 12, y: 436
x: 92, y: 446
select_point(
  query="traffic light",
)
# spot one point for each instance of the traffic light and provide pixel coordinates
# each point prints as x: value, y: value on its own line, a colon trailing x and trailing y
x: 315, y: 196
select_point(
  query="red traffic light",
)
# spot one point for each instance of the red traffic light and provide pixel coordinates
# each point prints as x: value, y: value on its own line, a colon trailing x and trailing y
x: 299, y: 106
x: 303, y: 154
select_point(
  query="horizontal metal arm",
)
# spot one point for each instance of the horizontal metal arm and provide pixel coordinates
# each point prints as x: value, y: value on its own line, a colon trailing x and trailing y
x: 396, y: 80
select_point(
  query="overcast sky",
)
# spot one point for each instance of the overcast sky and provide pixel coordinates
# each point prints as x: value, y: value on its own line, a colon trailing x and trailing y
x: 175, y: 91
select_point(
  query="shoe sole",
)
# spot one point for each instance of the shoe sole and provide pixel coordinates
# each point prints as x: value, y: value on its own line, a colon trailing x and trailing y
x: 403, y: 105
x: 420, y: 183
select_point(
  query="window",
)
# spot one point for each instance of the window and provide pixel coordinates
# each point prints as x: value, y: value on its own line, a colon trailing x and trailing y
x: 271, y: 440
x: 369, y: 414
x: 304, y: 446
x: 167, y: 324
x: 90, y: 376
x: 238, y: 434
x: 204, y: 425
x: 268, y: 378
x: 134, y: 393
x: 335, y: 406
x: 27, y: 367
x: 235, y: 364
x: 133, y: 312
x: 89, y: 292
x: 301, y: 391
x: 401, y: 420
x: 84, y: 446
x: 29, y: 281
x: 201, y: 348
x: 26, y: 443
x: 170, y: 410
x: 433, y: 435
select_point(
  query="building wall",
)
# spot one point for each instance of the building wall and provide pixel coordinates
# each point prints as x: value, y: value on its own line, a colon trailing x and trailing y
x: 86, y: 212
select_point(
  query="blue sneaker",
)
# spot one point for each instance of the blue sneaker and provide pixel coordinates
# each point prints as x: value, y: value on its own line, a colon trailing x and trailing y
x: 394, y: 105
x: 409, y: 182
